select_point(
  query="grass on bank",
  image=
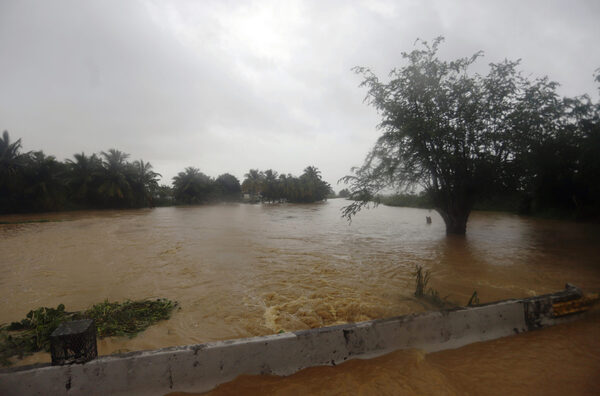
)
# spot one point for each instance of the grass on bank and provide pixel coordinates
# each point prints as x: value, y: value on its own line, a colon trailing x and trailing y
x: 431, y: 295
x: 128, y: 318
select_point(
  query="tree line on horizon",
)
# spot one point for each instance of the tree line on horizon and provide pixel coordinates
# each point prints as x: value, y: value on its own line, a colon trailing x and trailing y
x: 194, y: 187
x: 273, y: 187
x: 36, y: 182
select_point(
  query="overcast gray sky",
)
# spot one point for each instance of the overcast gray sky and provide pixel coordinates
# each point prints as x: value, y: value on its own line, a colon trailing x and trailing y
x: 230, y: 85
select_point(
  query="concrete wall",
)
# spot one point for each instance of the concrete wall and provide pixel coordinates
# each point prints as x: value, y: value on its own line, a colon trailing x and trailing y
x: 198, y: 368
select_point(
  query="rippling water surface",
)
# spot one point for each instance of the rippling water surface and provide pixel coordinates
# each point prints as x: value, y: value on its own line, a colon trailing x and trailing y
x: 246, y: 270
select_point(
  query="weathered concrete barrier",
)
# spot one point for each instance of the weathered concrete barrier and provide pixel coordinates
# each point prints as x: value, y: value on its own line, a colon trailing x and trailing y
x: 198, y: 368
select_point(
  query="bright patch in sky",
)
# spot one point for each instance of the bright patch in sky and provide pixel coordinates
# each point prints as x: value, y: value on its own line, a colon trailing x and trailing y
x: 226, y: 86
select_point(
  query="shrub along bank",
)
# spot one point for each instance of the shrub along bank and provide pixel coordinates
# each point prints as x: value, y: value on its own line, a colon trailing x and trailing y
x: 128, y: 318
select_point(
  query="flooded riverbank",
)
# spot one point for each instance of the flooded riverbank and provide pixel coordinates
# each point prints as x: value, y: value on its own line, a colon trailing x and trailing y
x: 562, y: 360
x: 246, y: 270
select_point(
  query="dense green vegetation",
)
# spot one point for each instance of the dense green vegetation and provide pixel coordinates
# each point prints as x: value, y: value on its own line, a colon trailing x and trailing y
x: 271, y: 187
x: 470, y: 140
x: 406, y: 200
x: 36, y: 182
x: 130, y: 317
x: 192, y: 187
x: 32, y: 334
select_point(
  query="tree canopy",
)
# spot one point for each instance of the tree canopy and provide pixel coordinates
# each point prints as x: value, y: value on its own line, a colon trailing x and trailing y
x: 462, y: 137
x: 228, y: 187
x: 33, y: 182
x: 192, y: 186
x: 272, y: 187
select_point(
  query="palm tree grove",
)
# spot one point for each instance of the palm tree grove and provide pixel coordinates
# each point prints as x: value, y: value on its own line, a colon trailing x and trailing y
x: 35, y: 182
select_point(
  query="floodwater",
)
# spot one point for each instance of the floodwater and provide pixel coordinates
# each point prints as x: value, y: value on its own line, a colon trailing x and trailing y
x: 561, y: 360
x: 247, y: 270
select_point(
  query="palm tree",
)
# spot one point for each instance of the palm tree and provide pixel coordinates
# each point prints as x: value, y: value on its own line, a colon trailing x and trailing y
x: 115, y: 159
x: 10, y: 158
x: 12, y: 164
x: 44, y: 185
x: 253, y: 183
x: 270, y: 186
x: 145, y: 180
x: 286, y: 187
x: 115, y: 187
x: 312, y: 187
x: 81, y: 175
x: 312, y: 173
x: 192, y: 186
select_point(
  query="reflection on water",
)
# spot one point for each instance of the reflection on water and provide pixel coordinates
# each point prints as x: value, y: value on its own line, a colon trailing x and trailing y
x: 246, y: 270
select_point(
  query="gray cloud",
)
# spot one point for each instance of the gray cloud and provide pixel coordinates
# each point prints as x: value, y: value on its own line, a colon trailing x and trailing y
x: 226, y: 86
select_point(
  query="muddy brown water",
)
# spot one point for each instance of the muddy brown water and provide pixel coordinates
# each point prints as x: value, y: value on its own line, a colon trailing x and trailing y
x: 247, y: 270
x: 562, y: 360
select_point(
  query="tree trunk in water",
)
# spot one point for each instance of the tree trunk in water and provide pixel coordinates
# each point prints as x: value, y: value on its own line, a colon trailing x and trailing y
x: 456, y: 220
x: 455, y: 207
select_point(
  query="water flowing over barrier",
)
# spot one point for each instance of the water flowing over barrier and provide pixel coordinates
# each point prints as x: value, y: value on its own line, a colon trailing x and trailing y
x: 198, y: 368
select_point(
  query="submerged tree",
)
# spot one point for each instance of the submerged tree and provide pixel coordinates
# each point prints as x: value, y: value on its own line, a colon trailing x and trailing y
x: 459, y: 137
